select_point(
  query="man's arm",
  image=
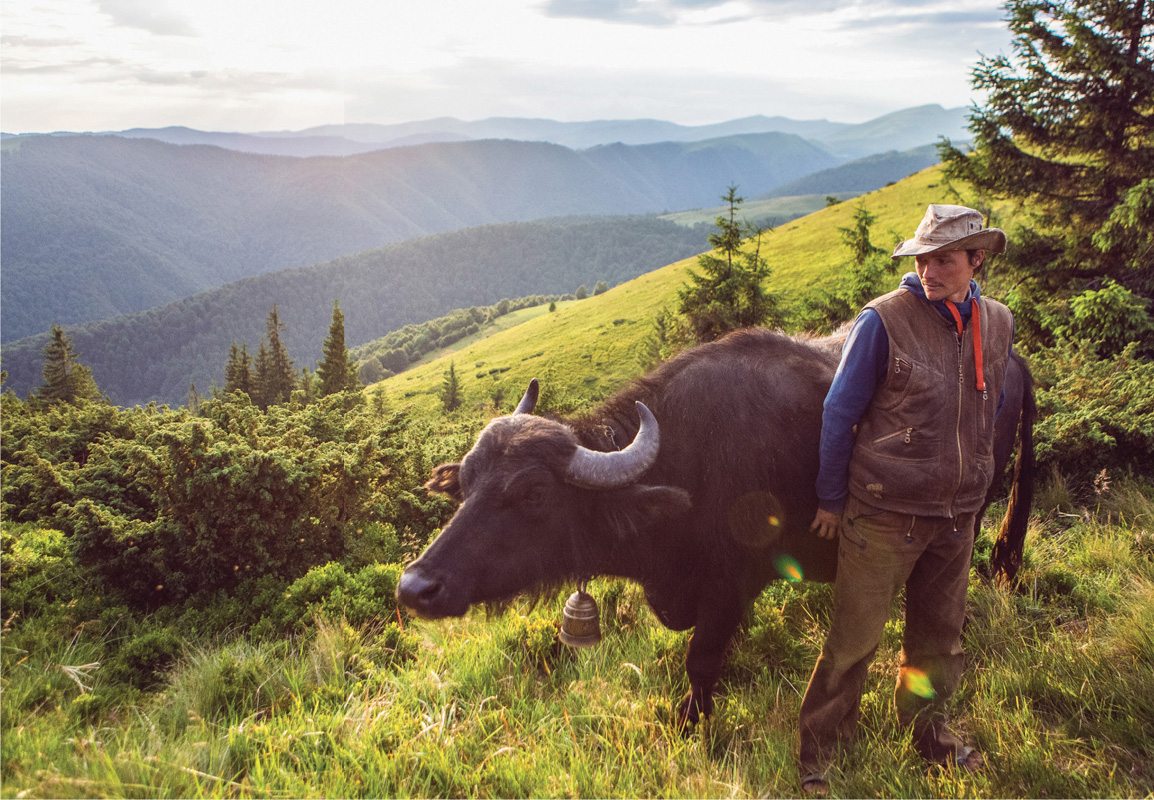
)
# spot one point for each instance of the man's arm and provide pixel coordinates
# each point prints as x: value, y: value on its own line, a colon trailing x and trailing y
x: 864, y: 363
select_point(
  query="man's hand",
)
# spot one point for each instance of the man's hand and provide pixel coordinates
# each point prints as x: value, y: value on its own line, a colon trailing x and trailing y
x: 826, y: 524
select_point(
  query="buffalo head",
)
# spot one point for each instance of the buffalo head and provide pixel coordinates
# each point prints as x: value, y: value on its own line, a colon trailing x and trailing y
x: 537, y: 508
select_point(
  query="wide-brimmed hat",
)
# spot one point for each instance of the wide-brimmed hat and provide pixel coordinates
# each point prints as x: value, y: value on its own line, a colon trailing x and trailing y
x: 951, y: 228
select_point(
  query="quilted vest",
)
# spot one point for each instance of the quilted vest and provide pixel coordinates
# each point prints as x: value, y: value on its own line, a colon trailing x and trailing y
x: 925, y: 443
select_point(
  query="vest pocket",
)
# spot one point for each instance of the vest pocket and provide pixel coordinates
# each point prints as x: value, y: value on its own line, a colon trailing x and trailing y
x: 897, y: 382
x: 906, y: 435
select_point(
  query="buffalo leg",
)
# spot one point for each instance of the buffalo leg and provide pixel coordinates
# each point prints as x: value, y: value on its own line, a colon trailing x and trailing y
x: 716, y: 625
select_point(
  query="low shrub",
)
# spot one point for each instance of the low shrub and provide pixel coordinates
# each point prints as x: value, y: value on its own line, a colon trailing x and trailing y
x: 144, y: 660
x: 330, y: 592
x: 1094, y: 412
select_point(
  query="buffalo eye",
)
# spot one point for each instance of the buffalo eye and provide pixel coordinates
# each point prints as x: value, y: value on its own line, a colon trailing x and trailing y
x: 529, y: 496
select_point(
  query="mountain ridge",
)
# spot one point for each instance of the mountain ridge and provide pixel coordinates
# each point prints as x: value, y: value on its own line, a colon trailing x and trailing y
x: 904, y: 129
x: 93, y: 227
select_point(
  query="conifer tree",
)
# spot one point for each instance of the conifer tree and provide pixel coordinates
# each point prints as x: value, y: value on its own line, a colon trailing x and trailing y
x: 869, y: 273
x: 309, y: 386
x: 451, y: 389
x: 337, y: 370
x: 262, y: 369
x: 729, y: 292
x: 65, y: 378
x: 1067, y: 130
x: 238, y: 375
x: 277, y: 378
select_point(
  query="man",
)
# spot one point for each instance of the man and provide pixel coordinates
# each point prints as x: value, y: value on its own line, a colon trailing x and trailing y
x: 906, y: 460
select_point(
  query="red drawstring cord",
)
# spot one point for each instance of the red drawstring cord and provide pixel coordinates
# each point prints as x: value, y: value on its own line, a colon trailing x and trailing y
x: 976, y: 319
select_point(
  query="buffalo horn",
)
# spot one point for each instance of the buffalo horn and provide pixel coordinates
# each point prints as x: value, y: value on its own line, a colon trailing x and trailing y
x: 592, y: 469
x: 529, y: 401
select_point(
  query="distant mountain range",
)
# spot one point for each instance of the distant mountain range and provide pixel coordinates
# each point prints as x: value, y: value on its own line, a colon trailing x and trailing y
x: 95, y: 226
x: 900, y: 130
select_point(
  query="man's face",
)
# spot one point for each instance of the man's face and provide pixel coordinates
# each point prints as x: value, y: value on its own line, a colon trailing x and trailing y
x: 946, y: 274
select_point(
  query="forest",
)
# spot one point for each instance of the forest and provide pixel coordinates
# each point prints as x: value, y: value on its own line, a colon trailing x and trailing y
x: 198, y: 600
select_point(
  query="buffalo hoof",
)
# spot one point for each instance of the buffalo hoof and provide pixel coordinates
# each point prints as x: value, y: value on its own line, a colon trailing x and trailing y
x: 694, y: 708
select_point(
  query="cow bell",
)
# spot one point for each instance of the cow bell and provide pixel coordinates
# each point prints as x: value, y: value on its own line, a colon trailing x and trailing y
x: 581, y: 625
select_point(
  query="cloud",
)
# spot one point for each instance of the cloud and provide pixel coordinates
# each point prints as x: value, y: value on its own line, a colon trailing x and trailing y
x: 661, y: 13
x: 19, y: 40
x: 482, y: 88
x: 18, y: 66
x: 671, y: 12
x: 150, y: 15
x: 944, y: 19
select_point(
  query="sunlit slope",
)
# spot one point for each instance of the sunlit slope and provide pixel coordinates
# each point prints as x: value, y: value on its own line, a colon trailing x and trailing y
x: 590, y: 348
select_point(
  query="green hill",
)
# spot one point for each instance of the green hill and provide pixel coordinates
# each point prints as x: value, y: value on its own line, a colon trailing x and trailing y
x: 590, y: 348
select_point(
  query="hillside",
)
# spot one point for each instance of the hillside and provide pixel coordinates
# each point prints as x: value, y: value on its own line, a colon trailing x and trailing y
x: 590, y: 349
x: 96, y: 226
x: 156, y: 354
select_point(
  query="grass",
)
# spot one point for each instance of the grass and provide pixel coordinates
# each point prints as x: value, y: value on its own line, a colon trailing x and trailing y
x: 1059, y: 694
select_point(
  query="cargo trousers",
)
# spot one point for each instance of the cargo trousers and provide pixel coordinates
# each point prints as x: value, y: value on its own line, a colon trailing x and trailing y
x: 880, y: 552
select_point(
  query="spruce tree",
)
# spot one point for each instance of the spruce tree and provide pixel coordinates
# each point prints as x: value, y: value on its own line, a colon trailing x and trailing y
x: 1067, y: 130
x: 238, y: 375
x: 337, y: 370
x: 279, y: 377
x: 262, y: 378
x: 729, y: 292
x: 65, y: 378
x: 309, y: 386
x: 451, y: 389
x: 870, y: 272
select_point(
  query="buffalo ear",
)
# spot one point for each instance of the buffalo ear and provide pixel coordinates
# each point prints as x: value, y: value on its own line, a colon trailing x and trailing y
x: 446, y: 480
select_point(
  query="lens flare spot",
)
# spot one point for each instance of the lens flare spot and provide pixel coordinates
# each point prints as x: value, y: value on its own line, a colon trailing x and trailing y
x: 788, y: 568
x: 756, y: 519
x: 918, y: 682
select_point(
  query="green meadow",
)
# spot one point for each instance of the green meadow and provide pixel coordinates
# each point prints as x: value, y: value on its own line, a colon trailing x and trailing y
x: 369, y: 702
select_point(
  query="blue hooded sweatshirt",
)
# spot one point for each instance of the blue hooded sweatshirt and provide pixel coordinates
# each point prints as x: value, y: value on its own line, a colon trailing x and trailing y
x: 864, y: 363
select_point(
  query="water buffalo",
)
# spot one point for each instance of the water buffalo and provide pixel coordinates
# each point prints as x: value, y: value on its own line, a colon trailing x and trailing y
x: 703, y: 513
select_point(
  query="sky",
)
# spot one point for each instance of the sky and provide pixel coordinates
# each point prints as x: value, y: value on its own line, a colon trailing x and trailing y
x: 266, y: 65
